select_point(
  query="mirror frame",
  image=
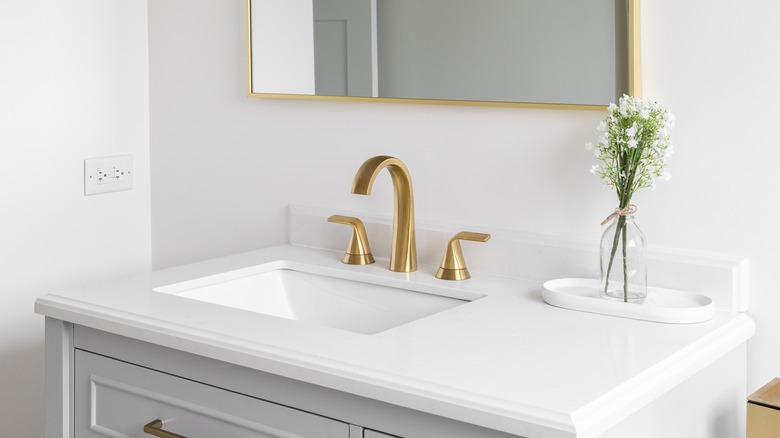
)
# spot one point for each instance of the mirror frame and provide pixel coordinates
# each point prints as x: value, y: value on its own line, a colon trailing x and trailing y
x: 634, y: 76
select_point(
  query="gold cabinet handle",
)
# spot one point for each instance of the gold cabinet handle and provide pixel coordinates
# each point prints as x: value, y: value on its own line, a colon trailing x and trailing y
x: 453, y: 265
x: 358, y: 251
x: 155, y: 428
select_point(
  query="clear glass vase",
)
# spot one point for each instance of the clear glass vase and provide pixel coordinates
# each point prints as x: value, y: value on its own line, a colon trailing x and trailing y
x: 624, y: 261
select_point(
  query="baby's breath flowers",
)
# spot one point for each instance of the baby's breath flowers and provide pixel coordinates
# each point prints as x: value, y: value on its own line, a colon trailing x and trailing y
x: 634, y: 145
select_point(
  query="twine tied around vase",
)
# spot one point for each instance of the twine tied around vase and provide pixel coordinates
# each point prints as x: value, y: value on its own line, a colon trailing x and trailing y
x: 628, y: 211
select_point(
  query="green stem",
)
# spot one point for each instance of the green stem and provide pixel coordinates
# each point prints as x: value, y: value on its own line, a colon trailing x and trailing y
x: 621, y: 224
x: 625, y: 268
x: 627, y: 161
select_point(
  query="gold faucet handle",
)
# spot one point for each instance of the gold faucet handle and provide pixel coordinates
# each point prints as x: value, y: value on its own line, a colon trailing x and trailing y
x: 358, y: 251
x: 453, y: 265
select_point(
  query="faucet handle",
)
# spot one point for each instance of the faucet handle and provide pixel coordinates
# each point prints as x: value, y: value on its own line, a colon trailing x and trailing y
x: 358, y: 251
x: 453, y: 265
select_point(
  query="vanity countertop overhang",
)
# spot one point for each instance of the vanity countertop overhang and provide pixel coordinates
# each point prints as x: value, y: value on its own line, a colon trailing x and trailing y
x: 507, y: 361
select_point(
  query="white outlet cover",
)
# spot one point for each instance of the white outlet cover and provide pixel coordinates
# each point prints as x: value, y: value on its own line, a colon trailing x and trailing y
x: 108, y: 174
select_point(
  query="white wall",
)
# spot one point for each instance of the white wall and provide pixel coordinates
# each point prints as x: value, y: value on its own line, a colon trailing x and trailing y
x: 73, y: 85
x: 226, y: 166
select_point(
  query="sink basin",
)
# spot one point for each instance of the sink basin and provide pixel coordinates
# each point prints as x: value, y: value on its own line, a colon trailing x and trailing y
x: 329, y: 298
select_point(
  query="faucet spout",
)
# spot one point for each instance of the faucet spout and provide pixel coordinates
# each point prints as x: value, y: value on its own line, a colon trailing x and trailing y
x: 403, y: 252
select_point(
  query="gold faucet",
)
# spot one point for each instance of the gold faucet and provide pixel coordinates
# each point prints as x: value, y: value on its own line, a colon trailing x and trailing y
x: 403, y: 253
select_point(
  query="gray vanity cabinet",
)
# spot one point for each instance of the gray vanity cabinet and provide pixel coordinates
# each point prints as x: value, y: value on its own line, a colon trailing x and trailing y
x: 114, y: 398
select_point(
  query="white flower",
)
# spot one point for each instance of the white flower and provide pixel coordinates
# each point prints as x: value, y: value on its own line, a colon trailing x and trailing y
x: 594, y: 169
x: 633, y: 145
x: 631, y: 131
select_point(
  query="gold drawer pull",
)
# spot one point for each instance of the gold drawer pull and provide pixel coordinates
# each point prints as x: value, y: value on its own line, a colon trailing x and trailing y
x: 155, y: 428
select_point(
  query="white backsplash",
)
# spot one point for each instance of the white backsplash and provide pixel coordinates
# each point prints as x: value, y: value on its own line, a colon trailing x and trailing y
x: 531, y: 257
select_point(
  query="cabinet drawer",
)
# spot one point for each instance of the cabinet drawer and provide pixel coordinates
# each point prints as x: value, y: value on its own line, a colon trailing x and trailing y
x: 116, y: 399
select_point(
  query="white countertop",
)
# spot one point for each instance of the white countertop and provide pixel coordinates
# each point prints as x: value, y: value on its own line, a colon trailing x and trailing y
x: 507, y: 361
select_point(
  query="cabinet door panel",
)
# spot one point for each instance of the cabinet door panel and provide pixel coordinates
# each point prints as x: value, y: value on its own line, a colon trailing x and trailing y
x: 116, y: 399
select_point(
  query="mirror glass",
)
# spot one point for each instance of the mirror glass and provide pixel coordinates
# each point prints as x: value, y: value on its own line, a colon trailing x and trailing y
x: 537, y: 52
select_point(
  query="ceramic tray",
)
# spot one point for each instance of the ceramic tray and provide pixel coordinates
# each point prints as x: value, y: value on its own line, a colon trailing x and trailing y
x: 661, y: 305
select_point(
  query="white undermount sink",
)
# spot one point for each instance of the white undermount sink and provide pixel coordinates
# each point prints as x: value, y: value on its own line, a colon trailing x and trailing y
x: 329, y: 298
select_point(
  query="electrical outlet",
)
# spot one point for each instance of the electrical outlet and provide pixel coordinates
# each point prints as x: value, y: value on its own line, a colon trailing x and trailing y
x: 108, y: 174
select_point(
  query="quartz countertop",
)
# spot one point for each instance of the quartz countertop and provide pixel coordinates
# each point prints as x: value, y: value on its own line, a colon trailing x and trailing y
x: 507, y: 361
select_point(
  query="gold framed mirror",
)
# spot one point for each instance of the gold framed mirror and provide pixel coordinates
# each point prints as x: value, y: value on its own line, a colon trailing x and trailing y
x: 562, y: 54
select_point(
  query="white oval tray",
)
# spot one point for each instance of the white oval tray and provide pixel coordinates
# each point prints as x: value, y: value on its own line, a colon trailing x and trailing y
x: 661, y: 305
